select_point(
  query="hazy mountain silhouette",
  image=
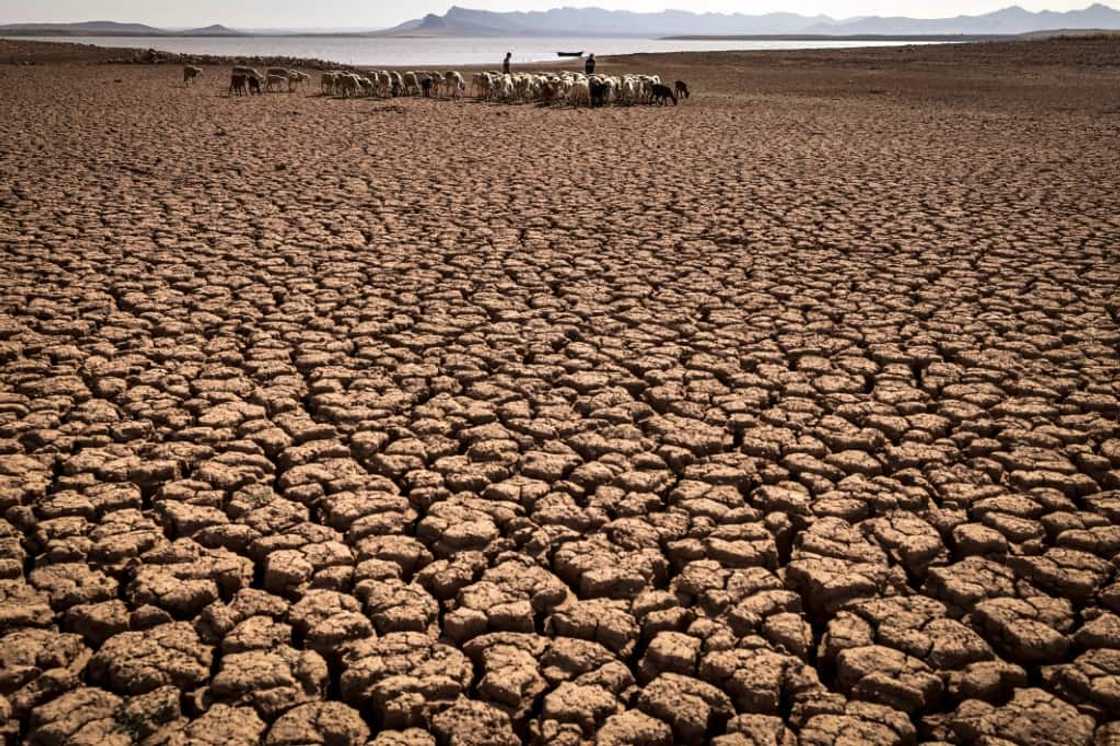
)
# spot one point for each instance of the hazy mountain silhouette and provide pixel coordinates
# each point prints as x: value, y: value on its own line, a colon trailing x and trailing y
x: 111, y: 28
x: 1013, y: 20
x: 216, y: 29
x: 598, y: 22
x: 86, y: 27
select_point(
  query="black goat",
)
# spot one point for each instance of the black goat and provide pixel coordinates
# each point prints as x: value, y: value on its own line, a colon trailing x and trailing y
x: 663, y: 93
x: 599, y: 93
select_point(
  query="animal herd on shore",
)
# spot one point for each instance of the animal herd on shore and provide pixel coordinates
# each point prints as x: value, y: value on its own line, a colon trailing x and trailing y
x: 559, y: 87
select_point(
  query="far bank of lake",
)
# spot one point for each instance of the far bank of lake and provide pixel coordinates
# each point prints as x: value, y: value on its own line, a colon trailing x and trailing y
x: 441, y: 51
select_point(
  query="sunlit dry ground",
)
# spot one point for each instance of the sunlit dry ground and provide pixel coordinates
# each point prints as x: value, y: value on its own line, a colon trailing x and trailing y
x: 786, y: 415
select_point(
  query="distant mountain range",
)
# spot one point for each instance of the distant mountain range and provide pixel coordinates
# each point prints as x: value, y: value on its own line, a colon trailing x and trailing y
x: 597, y: 22
x: 464, y: 22
x: 1013, y: 20
x: 110, y: 28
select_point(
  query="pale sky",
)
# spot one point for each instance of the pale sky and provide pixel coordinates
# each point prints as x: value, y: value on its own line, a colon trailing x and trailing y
x: 375, y: 14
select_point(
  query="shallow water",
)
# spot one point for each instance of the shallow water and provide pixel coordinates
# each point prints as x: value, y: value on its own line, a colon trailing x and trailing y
x: 459, y: 51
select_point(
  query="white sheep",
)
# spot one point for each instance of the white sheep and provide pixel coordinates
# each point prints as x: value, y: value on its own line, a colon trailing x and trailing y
x: 580, y: 93
x: 505, y: 88
x: 277, y: 81
x: 347, y: 85
x: 480, y: 85
x: 521, y: 86
x: 629, y: 90
x: 454, y: 84
x: 295, y: 78
x: 411, y: 84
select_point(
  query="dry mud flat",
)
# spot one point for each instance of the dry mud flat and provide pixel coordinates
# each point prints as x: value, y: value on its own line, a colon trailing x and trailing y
x: 786, y: 416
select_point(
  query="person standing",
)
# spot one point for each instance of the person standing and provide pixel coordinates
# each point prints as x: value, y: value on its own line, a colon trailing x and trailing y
x: 589, y: 66
x: 505, y: 63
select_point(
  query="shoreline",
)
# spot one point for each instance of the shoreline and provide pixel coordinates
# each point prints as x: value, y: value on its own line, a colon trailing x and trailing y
x: 62, y: 35
x: 154, y: 55
x: 1094, y: 52
x: 923, y: 38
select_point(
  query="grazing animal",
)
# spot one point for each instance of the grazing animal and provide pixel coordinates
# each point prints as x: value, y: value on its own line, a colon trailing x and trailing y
x: 600, y: 92
x: 238, y: 83
x: 662, y: 94
x: 630, y: 90
x: 454, y: 84
x: 411, y: 84
x: 505, y: 90
x: 522, y: 84
x: 573, y: 88
x: 384, y: 83
x: 252, y: 78
x: 295, y: 78
x: 580, y: 92
x: 348, y: 85
x: 345, y: 85
x: 190, y: 73
x: 550, y: 90
x: 277, y: 82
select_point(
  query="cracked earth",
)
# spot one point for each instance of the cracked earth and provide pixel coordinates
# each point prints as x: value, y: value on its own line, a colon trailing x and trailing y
x: 786, y: 416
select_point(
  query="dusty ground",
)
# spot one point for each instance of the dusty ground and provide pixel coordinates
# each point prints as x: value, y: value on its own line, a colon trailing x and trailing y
x: 787, y: 415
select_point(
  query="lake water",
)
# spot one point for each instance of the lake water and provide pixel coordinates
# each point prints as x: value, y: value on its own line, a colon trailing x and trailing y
x: 441, y: 52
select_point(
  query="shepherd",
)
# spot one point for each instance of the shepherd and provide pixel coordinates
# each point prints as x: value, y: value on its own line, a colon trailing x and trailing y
x: 505, y: 63
x: 589, y: 66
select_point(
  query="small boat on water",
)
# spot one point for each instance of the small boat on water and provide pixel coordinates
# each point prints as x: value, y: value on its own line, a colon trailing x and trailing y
x: 569, y: 54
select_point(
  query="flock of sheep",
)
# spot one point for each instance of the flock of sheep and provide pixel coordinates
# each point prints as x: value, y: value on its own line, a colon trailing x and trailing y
x: 560, y: 87
x: 573, y: 88
x: 247, y: 80
x: 576, y: 88
x: 385, y: 84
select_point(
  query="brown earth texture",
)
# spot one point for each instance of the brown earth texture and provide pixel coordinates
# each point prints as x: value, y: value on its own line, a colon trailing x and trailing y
x: 788, y: 415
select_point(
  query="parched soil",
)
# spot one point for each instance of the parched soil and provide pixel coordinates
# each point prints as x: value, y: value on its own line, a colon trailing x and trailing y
x: 788, y: 415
